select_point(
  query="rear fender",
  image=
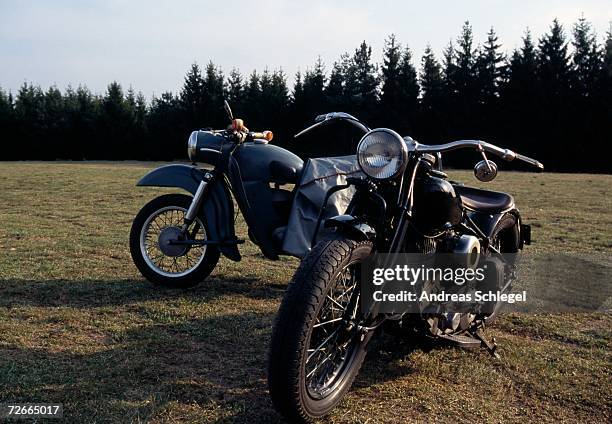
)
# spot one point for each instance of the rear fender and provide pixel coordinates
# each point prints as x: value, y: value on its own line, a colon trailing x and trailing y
x: 487, y: 223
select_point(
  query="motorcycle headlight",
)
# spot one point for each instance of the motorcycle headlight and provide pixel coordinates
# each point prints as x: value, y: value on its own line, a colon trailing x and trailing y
x: 382, y: 154
x: 192, y: 145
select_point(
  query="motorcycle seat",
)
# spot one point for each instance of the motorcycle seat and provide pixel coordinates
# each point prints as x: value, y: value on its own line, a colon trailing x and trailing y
x: 285, y: 174
x: 484, y: 200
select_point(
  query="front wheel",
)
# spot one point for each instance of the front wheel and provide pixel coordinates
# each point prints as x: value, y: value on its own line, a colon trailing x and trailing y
x: 317, y: 346
x: 154, y: 232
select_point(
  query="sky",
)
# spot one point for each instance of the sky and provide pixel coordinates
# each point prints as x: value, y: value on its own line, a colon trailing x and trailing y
x: 149, y: 45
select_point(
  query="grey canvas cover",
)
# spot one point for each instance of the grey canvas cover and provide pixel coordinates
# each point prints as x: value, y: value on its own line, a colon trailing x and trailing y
x: 318, y: 176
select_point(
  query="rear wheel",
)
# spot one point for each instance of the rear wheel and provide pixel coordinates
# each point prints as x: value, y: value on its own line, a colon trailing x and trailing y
x: 155, y: 229
x: 317, y: 349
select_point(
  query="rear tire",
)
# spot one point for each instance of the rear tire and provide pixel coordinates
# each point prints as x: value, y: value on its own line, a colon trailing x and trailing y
x: 205, y: 265
x: 506, y: 238
x: 315, y: 279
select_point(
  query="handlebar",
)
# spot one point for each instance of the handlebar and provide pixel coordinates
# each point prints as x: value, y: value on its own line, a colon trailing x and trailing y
x: 479, y: 145
x: 242, y: 133
x: 334, y: 116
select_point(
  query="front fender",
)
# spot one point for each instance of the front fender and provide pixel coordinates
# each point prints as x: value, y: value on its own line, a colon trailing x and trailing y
x: 352, y: 227
x: 217, y: 207
x: 182, y: 176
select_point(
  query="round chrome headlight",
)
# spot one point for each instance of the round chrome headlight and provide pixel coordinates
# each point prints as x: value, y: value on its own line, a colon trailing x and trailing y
x: 192, y: 145
x: 382, y: 154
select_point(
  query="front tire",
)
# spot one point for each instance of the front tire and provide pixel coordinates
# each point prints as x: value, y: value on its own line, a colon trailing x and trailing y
x: 183, y: 267
x: 303, y: 321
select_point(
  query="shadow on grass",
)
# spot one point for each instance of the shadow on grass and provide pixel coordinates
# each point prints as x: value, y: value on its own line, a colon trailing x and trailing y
x: 99, y: 293
x: 204, y: 369
x: 216, y: 365
x: 385, y: 352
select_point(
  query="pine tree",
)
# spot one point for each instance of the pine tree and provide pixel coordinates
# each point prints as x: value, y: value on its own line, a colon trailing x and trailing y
x: 521, y: 88
x: 449, y: 67
x: 297, y: 87
x: 490, y: 74
x: 408, y: 92
x: 605, y: 77
x: 265, y: 102
x: 605, y: 84
x: 116, y: 122
x: 607, y: 55
x: 235, y: 92
x: 252, y: 112
x: 554, y: 63
x: 30, y: 117
x: 461, y: 103
x: 432, y: 96
x: 335, y: 92
x: 313, y: 86
x: 400, y: 89
x: 7, y: 127
x: 252, y: 90
x: 490, y: 69
x: 587, y: 59
x: 362, y: 82
x: 192, y: 99
x: 55, y: 123
x: 465, y: 60
x: 279, y: 95
x: 390, y: 93
x: 164, y: 115
x: 557, y: 112
x: 214, y: 87
x: 431, y: 80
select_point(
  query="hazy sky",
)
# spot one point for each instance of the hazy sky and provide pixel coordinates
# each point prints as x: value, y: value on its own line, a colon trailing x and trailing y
x: 150, y: 44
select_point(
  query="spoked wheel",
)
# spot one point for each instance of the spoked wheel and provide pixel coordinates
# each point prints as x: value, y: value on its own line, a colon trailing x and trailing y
x: 317, y: 348
x: 330, y: 342
x: 155, y: 243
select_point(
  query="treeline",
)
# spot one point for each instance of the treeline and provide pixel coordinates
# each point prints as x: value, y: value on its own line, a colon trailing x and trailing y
x: 551, y: 99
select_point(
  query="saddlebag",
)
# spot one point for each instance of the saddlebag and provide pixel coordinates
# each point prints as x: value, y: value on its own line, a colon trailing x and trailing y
x: 318, y: 176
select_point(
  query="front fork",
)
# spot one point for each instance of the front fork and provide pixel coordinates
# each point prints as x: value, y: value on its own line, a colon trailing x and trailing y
x: 196, y: 202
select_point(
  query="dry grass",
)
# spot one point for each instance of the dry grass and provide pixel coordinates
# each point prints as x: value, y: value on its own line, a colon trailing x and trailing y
x: 78, y: 325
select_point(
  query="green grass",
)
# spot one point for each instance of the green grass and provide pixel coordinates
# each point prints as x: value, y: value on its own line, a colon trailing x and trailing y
x: 79, y: 325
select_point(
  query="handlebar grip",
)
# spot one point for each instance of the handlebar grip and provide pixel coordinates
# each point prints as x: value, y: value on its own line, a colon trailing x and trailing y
x: 265, y: 135
x: 530, y: 161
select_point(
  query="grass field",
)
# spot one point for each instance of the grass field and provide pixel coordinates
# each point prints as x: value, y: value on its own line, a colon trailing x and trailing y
x: 79, y: 325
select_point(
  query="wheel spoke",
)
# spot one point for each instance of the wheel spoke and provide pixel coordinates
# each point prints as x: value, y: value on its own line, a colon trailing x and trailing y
x: 323, y: 344
x: 178, y: 264
x: 330, y: 339
x: 335, y: 302
x: 326, y: 322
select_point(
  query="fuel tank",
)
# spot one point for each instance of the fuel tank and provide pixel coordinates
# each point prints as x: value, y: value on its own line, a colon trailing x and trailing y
x: 435, y: 204
x: 255, y: 161
x: 254, y: 170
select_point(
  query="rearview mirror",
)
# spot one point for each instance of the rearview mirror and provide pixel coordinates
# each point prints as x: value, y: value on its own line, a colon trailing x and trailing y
x: 485, y: 170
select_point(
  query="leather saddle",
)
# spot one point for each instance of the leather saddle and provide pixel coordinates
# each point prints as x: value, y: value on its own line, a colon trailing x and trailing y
x: 484, y: 200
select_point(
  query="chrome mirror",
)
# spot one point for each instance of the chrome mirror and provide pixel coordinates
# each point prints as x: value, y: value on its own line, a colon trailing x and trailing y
x: 485, y: 170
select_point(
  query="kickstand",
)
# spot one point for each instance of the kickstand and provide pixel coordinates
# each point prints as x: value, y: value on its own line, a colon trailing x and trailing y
x: 491, y: 346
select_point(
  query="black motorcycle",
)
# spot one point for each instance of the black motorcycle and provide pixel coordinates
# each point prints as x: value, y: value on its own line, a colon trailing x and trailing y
x: 405, y: 203
x: 176, y: 239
